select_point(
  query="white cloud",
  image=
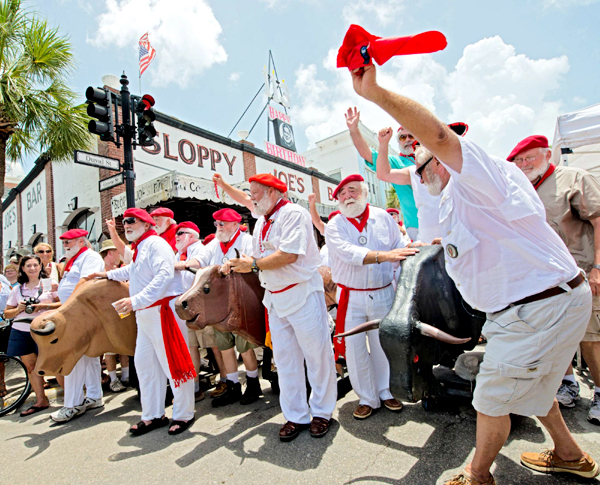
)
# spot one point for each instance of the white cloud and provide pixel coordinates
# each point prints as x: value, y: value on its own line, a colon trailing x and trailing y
x: 184, y: 33
x: 381, y: 12
x: 234, y: 76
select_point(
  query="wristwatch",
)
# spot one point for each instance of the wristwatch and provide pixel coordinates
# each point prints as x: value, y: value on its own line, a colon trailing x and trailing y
x: 596, y: 266
x: 254, y: 267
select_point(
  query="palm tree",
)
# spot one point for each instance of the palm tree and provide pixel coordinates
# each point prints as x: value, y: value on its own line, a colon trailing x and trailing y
x: 37, y: 110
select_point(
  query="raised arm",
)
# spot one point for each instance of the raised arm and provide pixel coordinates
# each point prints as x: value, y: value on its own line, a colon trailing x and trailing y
x: 384, y: 171
x: 314, y: 215
x: 236, y: 194
x: 114, y: 236
x: 431, y: 132
x: 352, y: 119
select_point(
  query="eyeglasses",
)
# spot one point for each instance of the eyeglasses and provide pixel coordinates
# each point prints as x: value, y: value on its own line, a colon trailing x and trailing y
x: 42, y: 251
x: 181, y: 233
x: 419, y: 171
x: 219, y: 223
x: 528, y: 159
x: 404, y: 137
x: 130, y: 221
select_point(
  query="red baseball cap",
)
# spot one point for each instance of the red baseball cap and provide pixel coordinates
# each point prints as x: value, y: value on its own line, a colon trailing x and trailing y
x: 534, y: 141
x: 73, y: 234
x: 162, y: 212
x: 350, y: 178
x: 188, y: 225
x: 332, y: 215
x: 208, y: 239
x: 227, y: 215
x: 270, y: 181
x: 394, y: 210
x: 140, y: 214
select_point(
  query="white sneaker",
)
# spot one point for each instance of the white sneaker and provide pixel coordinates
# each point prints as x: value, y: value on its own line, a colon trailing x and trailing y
x: 568, y: 394
x: 67, y: 414
x: 90, y: 403
x: 117, y: 386
x: 594, y: 414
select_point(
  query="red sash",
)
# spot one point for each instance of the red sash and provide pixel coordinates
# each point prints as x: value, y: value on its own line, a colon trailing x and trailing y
x: 340, y: 322
x: 180, y: 362
x: 549, y: 172
x: 134, y: 245
x: 225, y: 247
x: 361, y: 221
x: 71, y: 261
x: 267, y: 330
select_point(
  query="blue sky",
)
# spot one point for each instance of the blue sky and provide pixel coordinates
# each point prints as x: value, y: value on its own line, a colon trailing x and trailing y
x: 509, y: 69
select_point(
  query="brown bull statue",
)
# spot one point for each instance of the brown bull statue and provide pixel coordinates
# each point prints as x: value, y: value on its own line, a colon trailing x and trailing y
x: 85, y: 324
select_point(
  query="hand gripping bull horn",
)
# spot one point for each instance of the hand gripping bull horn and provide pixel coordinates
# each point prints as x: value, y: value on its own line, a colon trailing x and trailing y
x: 47, y: 329
x: 192, y: 270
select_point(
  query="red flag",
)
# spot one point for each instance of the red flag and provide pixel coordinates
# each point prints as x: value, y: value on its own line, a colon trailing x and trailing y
x: 147, y: 53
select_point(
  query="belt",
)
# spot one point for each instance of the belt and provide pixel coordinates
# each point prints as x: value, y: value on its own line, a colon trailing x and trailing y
x: 284, y: 289
x: 550, y: 292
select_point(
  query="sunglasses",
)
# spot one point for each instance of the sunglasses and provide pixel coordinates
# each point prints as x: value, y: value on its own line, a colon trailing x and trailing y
x: 181, y: 233
x: 404, y: 137
x: 130, y: 221
x: 419, y: 171
x: 42, y: 251
x: 219, y: 223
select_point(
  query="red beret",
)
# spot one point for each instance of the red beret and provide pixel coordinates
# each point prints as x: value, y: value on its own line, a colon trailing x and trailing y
x: 391, y: 209
x: 534, y: 141
x: 140, y: 214
x: 187, y: 225
x: 333, y: 214
x: 208, y: 239
x: 74, y: 234
x: 227, y: 215
x: 350, y: 178
x: 270, y: 181
x: 162, y: 212
x: 360, y: 47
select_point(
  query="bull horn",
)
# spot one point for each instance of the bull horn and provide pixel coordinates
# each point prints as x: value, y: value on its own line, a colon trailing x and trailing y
x: 48, y: 328
x: 237, y: 253
x: 436, y: 333
x: 363, y: 327
x: 192, y: 270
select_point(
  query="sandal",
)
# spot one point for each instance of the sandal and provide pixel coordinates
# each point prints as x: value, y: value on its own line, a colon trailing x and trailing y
x: 143, y: 428
x: 183, y: 425
x: 33, y: 410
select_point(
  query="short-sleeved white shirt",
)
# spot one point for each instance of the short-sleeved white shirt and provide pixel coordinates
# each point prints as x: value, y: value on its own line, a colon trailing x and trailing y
x: 428, y: 207
x: 496, y: 224
x: 346, y: 253
x: 86, y: 263
x: 291, y: 232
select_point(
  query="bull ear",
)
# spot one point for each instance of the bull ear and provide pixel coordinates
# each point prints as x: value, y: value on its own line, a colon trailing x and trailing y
x: 47, y: 329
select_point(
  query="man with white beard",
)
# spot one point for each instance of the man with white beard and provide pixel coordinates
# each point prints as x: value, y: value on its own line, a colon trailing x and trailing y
x: 229, y: 239
x: 364, y: 246
x: 166, y: 227
x: 286, y: 257
x: 161, y: 349
x: 406, y: 159
x: 81, y: 262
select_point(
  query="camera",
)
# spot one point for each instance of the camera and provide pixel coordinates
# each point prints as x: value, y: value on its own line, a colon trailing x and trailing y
x: 29, y: 302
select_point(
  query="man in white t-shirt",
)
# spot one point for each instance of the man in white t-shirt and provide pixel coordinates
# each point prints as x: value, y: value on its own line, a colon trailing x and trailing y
x: 508, y: 262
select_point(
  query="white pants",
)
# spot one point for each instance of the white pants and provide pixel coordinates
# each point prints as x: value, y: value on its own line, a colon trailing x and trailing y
x: 369, y: 371
x: 413, y: 233
x: 86, y: 372
x: 299, y: 337
x: 153, y: 369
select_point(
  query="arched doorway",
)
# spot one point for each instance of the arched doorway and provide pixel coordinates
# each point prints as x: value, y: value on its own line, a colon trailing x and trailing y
x: 86, y: 220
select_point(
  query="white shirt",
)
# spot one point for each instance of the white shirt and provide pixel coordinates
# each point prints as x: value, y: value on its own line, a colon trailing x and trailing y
x: 493, y: 218
x: 213, y: 254
x: 291, y: 232
x: 428, y: 207
x: 86, y: 263
x: 185, y: 279
x: 324, y: 253
x: 346, y: 253
x: 151, y: 274
x: 5, y: 290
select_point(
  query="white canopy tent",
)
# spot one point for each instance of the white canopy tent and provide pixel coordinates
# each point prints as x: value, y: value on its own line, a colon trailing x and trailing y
x: 578, y: 134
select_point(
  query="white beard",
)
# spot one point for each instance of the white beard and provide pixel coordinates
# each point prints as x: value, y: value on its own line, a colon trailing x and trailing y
x: 69, y: 253
x: 537, y: 173
x: 261, y: 208
x: 183, y: 245
x: 352, y: 208
x: 406, y: 151
x: 134, y: 234
x: 223, y: 236
x: 160, y: 229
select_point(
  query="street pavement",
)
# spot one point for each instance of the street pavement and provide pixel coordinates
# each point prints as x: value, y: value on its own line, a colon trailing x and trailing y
x: 239, y: 445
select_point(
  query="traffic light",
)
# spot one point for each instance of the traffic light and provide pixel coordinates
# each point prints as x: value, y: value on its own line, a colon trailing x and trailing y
x: 100, y: 107
x: 145, y: 118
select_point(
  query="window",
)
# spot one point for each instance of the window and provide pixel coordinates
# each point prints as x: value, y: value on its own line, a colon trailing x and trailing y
x: 336, y: 174
x: 373, y: 183
x: 87, y: 221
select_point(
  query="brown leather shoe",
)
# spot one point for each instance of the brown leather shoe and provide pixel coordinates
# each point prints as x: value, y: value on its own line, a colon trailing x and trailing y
x: 319, y: 427
x: 548, y: 462
x: 290, y: 431
x: 393, y: 405
x: 463, y: 478
x: 219, y: 390
x: 363, y: 411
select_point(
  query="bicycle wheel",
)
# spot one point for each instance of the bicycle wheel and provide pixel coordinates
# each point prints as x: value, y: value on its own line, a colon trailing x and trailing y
x: 17, y: 382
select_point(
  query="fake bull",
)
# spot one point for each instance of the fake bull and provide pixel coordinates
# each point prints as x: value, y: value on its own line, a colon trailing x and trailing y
x: 86, y: 324
x: 429, y: 324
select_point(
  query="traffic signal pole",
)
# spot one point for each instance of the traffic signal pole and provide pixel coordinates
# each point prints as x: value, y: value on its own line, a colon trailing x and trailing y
x: 128, y: 134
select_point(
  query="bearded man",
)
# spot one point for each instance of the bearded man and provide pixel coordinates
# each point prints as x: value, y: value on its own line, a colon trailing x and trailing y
x: 571, y: 197
x: 166, y: 227
x: 161, y: 349
x: 81, y: 262
x: 286, y: 257
x: 364, y: 245
x: 406, y: 159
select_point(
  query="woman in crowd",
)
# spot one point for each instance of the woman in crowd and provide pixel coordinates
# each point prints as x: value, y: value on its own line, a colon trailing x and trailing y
x: 21, y: 343
x: 46, y: 254
x: 10, y: 271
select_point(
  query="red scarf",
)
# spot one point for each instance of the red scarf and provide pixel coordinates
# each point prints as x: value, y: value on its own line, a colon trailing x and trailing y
x: 268, y: 220
x: 361, y: 221
x: 180, y: 362
x: 169, y: 235
x: 134, y: 245
x: 183, y: 256
x: 226, y: 247
x: 72, y: 260
x: 549, y: 172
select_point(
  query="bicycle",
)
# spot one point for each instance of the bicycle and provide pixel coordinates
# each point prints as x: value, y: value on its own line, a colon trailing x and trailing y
x: 16, y: 386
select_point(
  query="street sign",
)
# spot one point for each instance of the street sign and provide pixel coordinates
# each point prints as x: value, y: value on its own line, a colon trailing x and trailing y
x: 111, y: 182
x: 93, y: 160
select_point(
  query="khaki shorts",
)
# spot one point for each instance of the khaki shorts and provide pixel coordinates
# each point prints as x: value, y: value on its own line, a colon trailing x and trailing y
x: 592, y: 334
x: 204, y: 338
x: 529, y: 348
x: 226, y: 341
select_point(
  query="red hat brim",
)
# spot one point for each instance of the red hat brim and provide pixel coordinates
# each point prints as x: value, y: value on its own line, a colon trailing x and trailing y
x: 350, y: 178
x: 73, y: 234
x: 270, y: 181
x: 162, y: 212
x: 534, y: 141
x: 140, y: 214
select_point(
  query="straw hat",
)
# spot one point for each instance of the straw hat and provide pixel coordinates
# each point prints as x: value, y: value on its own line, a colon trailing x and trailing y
x: 107, y: 244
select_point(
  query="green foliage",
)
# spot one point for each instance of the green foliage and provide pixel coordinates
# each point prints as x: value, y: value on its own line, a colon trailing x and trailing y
x: 392, y: 199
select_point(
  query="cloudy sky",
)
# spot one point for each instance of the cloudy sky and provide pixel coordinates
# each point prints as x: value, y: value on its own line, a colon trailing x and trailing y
x: 509, y: 69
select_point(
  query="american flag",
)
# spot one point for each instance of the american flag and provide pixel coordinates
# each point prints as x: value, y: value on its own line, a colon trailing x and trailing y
x: 147, y: 53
